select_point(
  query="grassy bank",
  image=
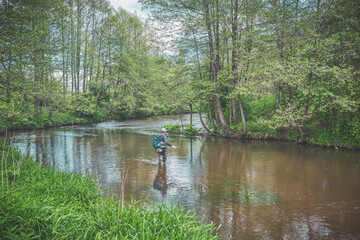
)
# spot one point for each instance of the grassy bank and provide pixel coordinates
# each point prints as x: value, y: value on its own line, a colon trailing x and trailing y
x: 38, y: 202
x: 58, y: 118
x: 324, y: 137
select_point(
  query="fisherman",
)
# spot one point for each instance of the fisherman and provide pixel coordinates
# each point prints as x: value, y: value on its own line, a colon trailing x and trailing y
x: 161, y: 150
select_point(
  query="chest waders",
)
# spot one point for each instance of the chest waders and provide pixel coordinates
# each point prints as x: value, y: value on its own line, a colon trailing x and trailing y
x: 162, y: 155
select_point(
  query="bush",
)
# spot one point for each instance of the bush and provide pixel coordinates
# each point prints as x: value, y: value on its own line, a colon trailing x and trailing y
x: 173, y: 128
x: 81, y: 105
x: 24, y: 123
x: 2, y: 126
x: 190, y: 129
x: 100, y: 114
x: 262, y: 108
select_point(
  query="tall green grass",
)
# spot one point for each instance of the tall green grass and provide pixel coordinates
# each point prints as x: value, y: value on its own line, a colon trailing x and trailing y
x: 38, y: 202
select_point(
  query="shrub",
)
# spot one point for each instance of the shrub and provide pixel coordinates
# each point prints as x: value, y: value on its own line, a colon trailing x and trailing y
x: 190, y: 129
x: 24, y: 123
x: 100, y: 114
x: 263, y: 107
x: 173, y: 128
x: 2, y: 126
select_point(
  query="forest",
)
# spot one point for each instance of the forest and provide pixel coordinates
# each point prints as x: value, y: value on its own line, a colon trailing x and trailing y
x: 270, y: 69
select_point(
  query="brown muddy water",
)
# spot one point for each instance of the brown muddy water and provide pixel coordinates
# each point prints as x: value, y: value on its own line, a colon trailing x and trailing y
x: 254, y: 189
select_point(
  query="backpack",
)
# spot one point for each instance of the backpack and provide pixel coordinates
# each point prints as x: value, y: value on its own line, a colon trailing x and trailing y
x: 156, y: 141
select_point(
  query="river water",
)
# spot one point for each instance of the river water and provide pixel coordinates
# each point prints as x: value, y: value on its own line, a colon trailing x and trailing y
x: 254, y: 189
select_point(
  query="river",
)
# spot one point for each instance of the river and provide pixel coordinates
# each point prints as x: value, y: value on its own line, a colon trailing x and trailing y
x: 254, y: 189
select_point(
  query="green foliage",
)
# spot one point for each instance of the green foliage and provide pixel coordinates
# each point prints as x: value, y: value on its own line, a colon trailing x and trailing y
x: 259, y: 129
x: 342, y: 133
x: 9, y: 113
x: 166, y: 110
x: 118, y: 75
x: 294, y: 134
x: 176, y: 128
x: 81, y: 105
x: 101, y: 114
x: 40, y: 202
x: 58, y: 118
x: 307, y: 59
x: 2, y: 126
x: 24, y: 123
x: 260, y: 108
x: 99, y: 92
x: 190, y: 129
x: 297, y: 74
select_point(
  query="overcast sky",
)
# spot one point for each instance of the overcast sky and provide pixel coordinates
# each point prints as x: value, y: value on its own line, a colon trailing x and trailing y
x: 133, y: 6
x: 130, y: 6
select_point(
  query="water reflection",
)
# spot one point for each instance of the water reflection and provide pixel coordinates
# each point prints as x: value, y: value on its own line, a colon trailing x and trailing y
x: 255, y: 189
x: 160, y: 180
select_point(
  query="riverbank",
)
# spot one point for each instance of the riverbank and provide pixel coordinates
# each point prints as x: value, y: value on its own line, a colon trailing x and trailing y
x: 58, y: 119
x: 40, y: 202
x: 256, y: 131
x: 280, y: 135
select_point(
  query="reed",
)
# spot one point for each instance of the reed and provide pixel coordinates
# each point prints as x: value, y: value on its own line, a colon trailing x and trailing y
x: 42, y: 203
x: 124, y: 176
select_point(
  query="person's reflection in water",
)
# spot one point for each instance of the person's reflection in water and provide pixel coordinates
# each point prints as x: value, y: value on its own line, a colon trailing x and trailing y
x: 160, y: 180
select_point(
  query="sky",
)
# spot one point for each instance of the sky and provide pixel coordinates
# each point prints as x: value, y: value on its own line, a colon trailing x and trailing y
x: 130, y: 6
x: 133, y: 6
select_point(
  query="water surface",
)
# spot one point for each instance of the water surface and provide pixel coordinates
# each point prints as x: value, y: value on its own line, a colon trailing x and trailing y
x: 254, y: 189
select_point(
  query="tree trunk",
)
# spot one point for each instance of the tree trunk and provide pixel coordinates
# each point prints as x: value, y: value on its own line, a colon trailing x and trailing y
x: 72, y: 45
x: 200, y: 116
x: 234, y: 60
x: 280, y: 47
x: 191, y: 113
x: 201, y: 79
x: 215, y: 63
x: 210, y: 115
x: 182, y: 124
x: 78, y: 46
x: 63, y: 57
x: 36, y: 107
x: 310, y: 76
x: 245, y: 130
x: 50, y: 108
x: 85, y: 60
x: 230, y: 113
x: 293, y: 50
